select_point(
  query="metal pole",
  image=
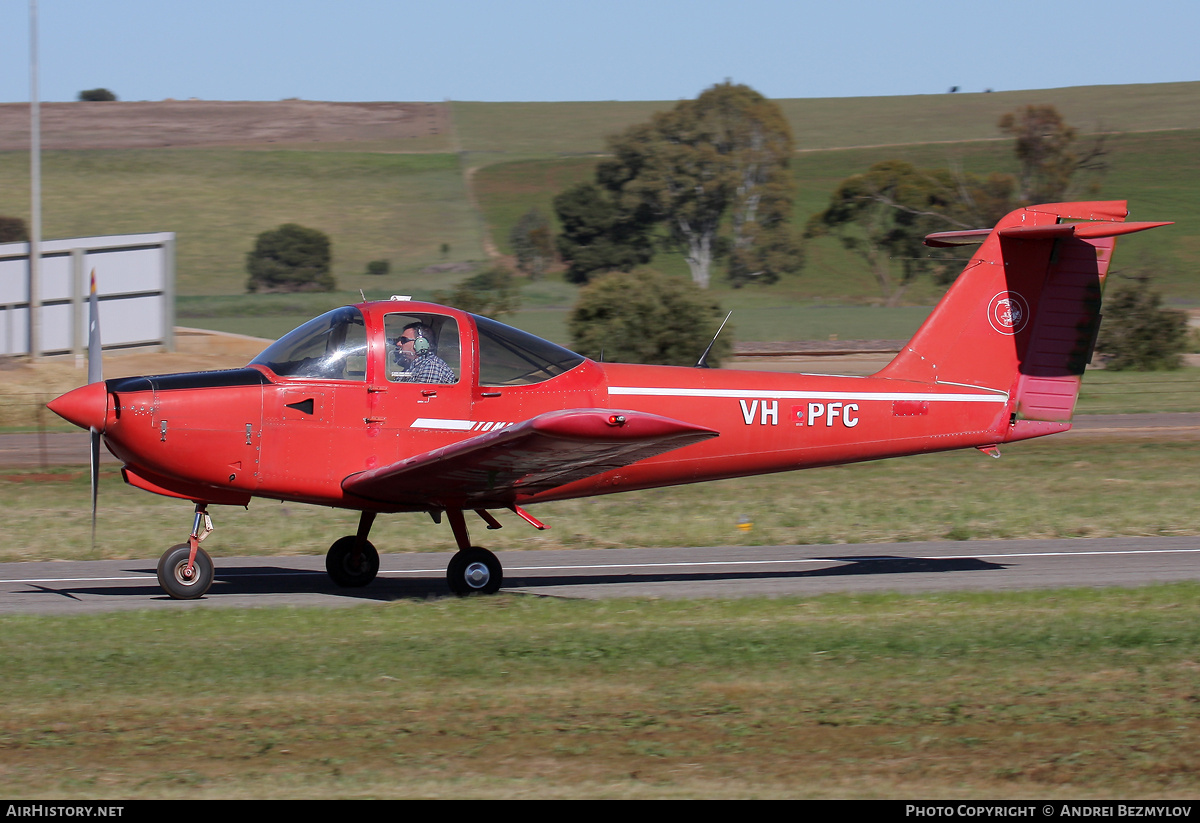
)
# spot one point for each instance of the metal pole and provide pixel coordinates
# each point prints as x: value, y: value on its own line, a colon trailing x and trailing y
x: 79, y: 321
x: 168, y: 332
x: 35, y: 175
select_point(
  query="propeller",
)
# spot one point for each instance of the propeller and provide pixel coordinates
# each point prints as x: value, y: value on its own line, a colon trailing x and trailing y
x: 87, y: 406
x: 95, y: 373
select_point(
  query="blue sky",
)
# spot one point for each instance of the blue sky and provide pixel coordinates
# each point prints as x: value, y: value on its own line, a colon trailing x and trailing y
x: 511, y: 50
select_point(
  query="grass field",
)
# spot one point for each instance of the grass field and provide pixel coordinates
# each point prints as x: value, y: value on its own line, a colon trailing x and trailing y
x: 1051, y: 488
x: 1107, y: 392
x: 1051, y: 694
x: 1066, y: 694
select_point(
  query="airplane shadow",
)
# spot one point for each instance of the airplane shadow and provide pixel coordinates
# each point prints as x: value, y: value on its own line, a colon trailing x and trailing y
x: 250, y: 580
x: 854, y: 565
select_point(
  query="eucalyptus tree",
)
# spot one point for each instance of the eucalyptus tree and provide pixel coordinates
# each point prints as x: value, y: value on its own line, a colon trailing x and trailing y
x: 726, y: 153
x: 708, y: 178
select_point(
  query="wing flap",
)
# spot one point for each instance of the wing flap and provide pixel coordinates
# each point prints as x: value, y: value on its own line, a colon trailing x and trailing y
x: 500, y: 467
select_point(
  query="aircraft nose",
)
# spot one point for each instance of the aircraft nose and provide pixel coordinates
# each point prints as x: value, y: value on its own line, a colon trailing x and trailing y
x: 85, y: 406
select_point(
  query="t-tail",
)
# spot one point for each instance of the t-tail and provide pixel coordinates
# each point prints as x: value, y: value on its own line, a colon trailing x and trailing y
x: 1023, y: 316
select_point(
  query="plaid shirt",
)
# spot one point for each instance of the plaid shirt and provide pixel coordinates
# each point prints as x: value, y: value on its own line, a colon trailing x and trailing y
x: 429, y: 368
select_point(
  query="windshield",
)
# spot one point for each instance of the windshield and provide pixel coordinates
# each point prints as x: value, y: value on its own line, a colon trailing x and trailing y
x: 330, y: 347
x: 511, y: 357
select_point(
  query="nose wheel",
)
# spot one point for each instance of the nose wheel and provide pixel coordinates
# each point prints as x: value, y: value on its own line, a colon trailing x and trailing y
x: 181, y: 579
x: 185, y: 571
x: 474, y: 571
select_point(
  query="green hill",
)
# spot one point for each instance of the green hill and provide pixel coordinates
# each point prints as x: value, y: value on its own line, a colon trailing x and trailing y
x: 827, y: 123
x: 380, y: 199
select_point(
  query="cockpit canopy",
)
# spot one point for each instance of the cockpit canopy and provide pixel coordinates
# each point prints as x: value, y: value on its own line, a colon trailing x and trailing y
x: 421, y: 346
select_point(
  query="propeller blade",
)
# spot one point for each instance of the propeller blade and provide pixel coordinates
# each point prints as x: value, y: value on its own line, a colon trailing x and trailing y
x: 95, y: 375
x: 95, y: 478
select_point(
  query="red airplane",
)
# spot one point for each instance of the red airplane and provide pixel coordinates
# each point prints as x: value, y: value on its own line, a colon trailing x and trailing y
x: 402, y: 406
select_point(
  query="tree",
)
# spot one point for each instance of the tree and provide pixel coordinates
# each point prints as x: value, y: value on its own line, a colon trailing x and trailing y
x: 492, y: 293
x: 1045, y: 150
x: 97, y: 95
x: 533, y: 243
x: 12, y: 229
x: 598, y: 234
x: 884, y: 215
x: 763, y: 249
x: 724, y: 153
x: 644, y: 316
x: 1137, y: 333
x: 290, y: 258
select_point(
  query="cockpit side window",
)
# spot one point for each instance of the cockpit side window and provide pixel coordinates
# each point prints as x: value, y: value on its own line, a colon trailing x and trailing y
x: 330, y: 347
x: 511, y: 357
x: 422, y: 348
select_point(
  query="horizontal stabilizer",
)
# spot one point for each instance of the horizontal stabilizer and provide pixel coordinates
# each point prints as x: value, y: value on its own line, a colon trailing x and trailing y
x: 943, y: 239
x: 503, y: 466
x: 1087, y: 231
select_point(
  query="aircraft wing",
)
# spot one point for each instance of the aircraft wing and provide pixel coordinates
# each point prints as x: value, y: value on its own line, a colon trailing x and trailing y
x: 503, y: 466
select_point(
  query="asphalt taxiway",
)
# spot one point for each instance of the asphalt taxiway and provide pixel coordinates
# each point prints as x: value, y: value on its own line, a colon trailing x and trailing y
x: 729, y: 571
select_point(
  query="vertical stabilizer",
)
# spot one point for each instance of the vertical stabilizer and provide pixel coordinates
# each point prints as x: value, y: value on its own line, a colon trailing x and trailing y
x: 1022, y: 317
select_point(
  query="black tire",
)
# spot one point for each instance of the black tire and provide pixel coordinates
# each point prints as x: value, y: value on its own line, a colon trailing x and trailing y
x: 343, y: 571
x: 474, y: 571
x: 174, y: 580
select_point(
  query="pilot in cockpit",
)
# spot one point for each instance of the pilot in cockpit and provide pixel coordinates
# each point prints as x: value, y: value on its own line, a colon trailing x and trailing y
x: 416, y: 355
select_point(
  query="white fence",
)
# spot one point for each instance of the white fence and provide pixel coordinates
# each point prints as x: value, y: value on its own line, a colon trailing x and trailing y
x: 135, y: 284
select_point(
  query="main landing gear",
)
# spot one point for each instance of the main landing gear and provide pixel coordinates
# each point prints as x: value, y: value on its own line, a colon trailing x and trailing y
x: 472, y: 570
x: 352, y: 561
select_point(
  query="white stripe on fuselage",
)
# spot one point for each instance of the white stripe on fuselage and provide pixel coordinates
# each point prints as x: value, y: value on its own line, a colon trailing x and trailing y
x: 445, y: 424
x: 755, y: 394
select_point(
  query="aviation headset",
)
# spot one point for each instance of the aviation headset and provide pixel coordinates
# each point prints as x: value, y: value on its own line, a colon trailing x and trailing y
x: 421, y: 343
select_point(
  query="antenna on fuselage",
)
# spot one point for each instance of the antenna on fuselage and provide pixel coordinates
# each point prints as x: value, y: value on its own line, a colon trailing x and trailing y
x: 702, y: 363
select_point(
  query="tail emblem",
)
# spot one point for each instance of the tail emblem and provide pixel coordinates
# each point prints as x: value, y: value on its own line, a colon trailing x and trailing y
x: 1008, y: 312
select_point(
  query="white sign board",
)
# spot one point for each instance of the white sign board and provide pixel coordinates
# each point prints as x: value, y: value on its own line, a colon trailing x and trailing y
x: 135, y: 284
